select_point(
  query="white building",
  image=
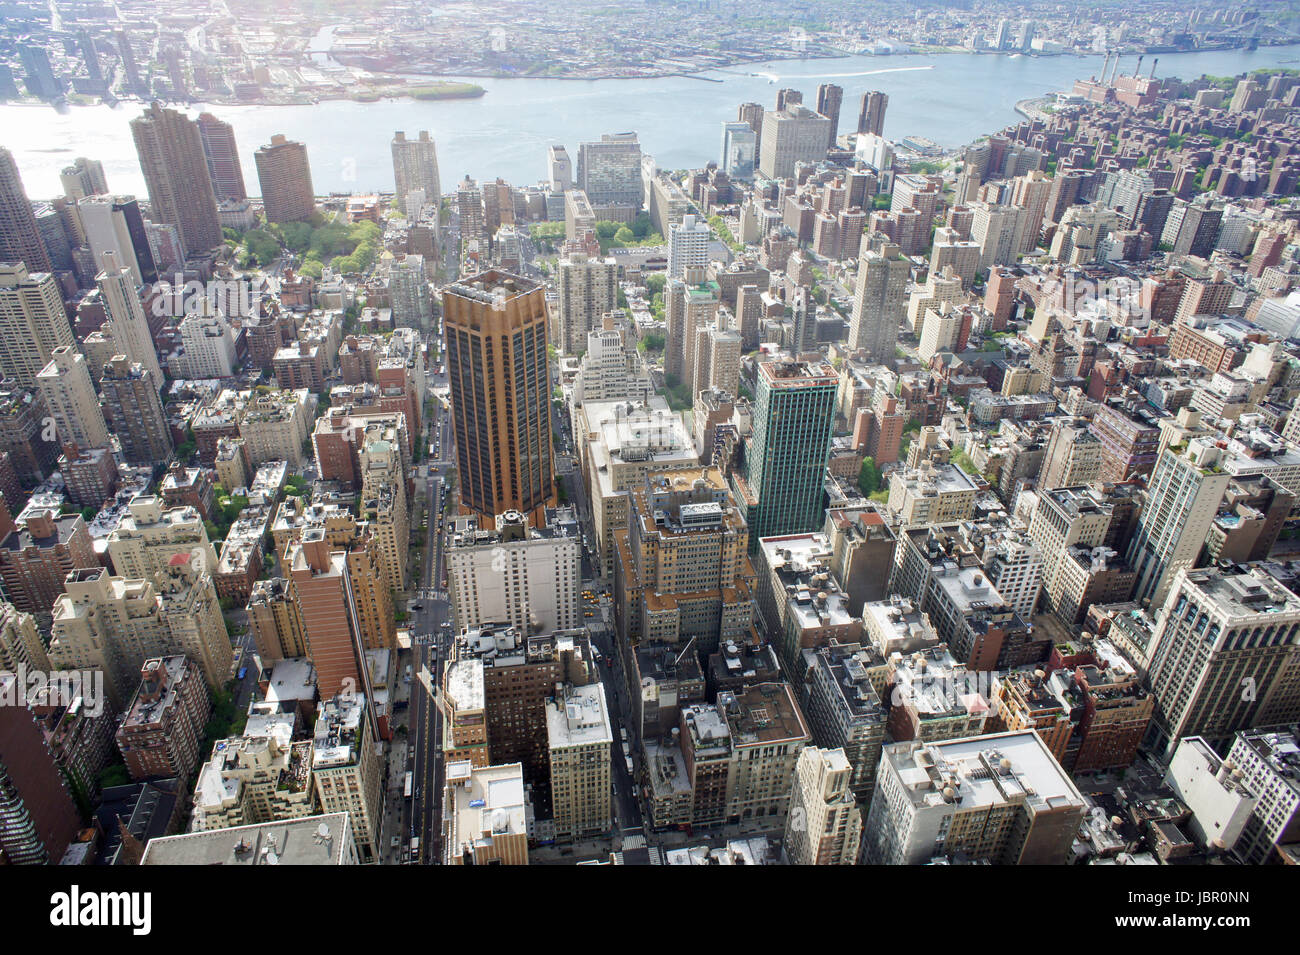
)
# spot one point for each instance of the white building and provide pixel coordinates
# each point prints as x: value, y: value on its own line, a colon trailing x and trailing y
x: 688, y: 246
x: 526, y: 577
x: 1213, y: 791
x: 1001, y: 798
x: 824, y: 826
x: 209, y: 346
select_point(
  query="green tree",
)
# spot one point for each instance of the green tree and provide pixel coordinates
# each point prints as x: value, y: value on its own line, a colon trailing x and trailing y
x: 869, y: 477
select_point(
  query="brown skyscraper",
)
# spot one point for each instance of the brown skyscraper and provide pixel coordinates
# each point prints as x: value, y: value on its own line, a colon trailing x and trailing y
x: 871, y: 119
x: 38, y: 819
x: 285, y: 177
x: 176, y: 173
x: 20, y: 239
x: 496, y: 366
x: 222, y: 156
x: 131, y: 404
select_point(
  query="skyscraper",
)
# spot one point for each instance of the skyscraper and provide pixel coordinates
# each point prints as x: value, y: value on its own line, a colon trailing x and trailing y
x: 609, y: 172
x: 222, y: 158
x: 559, y: 168
x: 41, y: 79
x: 739, y: 150
x: 415, y: 166
x: 829, y: 98
x: 825, y: 825
x: 172, y: 158
x: 114, y: 226
x: 38, y: 819
x: 871, y: 118
x: 33, y: 322
x: 1182, y: 500
x: 20, y: 239
x: 752, y: 113
x: 688, y: 246
x: 587, y: 289
x: 131, y: 401
x: 1223, y: 657
x: 793, y: 414
x: 495, y: 326
x: 70, y: 394
x: 791, y: 136
x: 879, y: 302
x: 130, y: 326
x: 83, y: 178
x: 285, y: 177
x: 129, y: 67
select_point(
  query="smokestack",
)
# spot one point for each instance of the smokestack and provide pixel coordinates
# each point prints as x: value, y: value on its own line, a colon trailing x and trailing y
x: 1114, y: 69
x: 1152, y: 74
x: 1137, y: 70
x: 1105, y: 65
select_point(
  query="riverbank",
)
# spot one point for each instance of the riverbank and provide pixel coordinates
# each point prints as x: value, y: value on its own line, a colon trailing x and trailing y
x: 1036, y: 107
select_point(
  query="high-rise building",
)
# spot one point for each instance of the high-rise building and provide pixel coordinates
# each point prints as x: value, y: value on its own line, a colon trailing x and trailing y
x: 824, y: 826
x: 114, y: 225
x: 680, y: 566
x: 512, y: 574
x: 122, y: 307
x: 739, y: 150
x: 345, y: 769
x: 33, y: 322
x: 1073, y: 455
x: 587, y: 289
x: 752, y: 113
x: 998, y: 231
x: 495, y: 325
x: 131, y: 403
x: 71, y: 398
x: 114, y: 624
x: 383, y: 498
x: 871, y: 117
x: 829, y: 98
x: 1182, y: 500
x: 161, y: 734
x: 285, y: 177
x: 579, y: 736
x: 559, y: 168
x: 130, y: 69
x: 83, y: 178
x: 794, y: 411
x: 791, y: 136
x: 609, y: 172
x: 149, y: 535
x: 38, y: 819
x: 415, y: 167
x: 20, y: 239
x: 320, y: 578
x: 879, y: 302
x: 688, y: 246
x: 172, y: 157
x: 1269, y: 763
x: 1222, y: 657
x: 221, y: 156
x: 42, y: 82
x: 1001, y: 799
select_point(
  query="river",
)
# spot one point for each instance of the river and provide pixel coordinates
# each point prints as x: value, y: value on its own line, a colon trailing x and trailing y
x: 950, y: 98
